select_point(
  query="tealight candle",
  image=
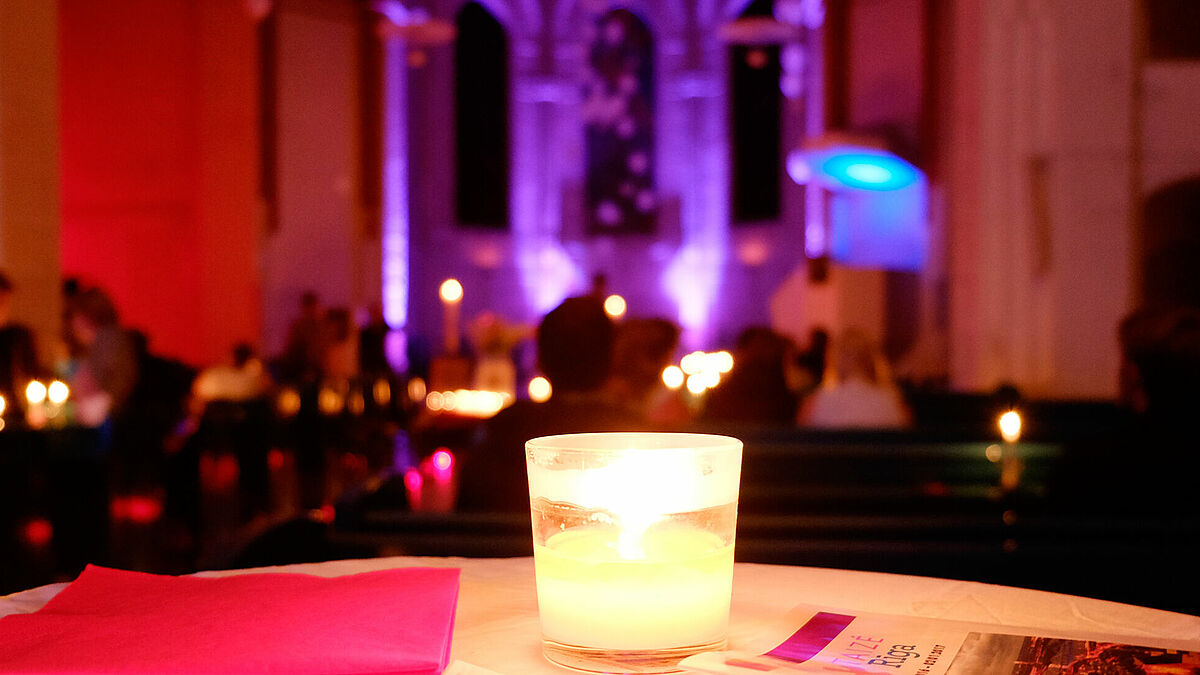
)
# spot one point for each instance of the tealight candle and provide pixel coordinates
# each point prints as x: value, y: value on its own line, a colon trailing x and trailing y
x: 633, y: 546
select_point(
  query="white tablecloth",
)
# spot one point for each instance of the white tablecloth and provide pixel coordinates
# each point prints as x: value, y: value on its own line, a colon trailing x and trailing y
x: 496, y: 626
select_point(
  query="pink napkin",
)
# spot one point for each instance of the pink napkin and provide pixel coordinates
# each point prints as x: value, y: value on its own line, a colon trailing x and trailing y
x: 110, y: 621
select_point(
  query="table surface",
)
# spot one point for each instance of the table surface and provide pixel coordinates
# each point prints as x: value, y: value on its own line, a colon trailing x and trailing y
x: 496, y: 626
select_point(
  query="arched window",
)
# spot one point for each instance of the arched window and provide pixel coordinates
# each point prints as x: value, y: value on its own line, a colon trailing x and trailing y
x: 754, y: 101
x: 618, y: 115
x: 481, y: 119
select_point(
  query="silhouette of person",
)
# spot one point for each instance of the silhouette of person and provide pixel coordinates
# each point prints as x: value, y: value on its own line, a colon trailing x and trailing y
x: 107, y: 371
x: 305, y: 348
x: 1146, y: 464
x: 858, y: 392
x: 756, y: 390
x: 372, y: 344
x: 643, y: 348
x: 574, y: 351
x: 18, y: 354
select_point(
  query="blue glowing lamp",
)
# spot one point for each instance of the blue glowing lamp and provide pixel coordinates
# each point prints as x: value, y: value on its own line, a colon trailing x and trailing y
x: 878, y: 213
x: 841, y: 167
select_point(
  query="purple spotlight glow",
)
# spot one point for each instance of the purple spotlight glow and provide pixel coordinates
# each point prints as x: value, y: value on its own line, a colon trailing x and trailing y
x: 692, y: 278
x: 547, y: 274
x: 395, y: 189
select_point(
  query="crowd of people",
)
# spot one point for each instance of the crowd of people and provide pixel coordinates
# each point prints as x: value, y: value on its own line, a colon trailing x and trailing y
x: 156, y: 417
x: 151, y: 421
x: 607, y: 376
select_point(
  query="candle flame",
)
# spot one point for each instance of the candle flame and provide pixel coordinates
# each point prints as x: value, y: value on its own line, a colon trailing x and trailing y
x: 634, y: 491
x: 672, y: 376
x: 35, y: 392
x: 540, y: 389
x: 1010, y: 426
x: 451, y: 291
x: 58, y: 392
x: 614, y: 306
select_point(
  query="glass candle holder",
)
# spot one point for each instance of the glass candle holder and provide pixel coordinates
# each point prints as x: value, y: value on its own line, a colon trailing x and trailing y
x: 633, y: 539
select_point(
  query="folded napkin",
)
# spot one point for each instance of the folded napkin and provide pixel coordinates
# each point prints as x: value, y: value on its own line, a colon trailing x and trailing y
x: 110, y: 621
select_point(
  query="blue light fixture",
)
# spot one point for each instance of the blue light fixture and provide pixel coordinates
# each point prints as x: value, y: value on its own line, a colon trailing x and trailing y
x: 869, y: 170
x: 855, y: 167
x: 878, y: 205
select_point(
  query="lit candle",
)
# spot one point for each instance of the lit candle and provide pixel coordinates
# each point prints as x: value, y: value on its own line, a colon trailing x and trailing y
x: 676, y: 594
x: 35, y: 397
x: 451, y: 293
x: 633, y: 546
x: 614, y: 306
x: 1010, y: 426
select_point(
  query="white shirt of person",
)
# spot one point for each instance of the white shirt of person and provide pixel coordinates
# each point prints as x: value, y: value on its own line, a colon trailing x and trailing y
x: 855, y: 403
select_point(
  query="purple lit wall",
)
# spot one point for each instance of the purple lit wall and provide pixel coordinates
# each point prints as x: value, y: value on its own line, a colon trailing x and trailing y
x: 690, y: 269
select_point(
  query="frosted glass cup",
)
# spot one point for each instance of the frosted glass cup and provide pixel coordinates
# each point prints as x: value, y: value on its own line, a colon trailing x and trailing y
x: 633, y: 546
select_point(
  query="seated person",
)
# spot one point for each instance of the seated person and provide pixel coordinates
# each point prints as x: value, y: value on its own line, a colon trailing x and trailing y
x: 643, y: 349
x: 1148, y: 464
x: 574, y: 351
x: 857, y: 392
x: 18, y: 356
x: 756, y: 391
x: 108, y: 369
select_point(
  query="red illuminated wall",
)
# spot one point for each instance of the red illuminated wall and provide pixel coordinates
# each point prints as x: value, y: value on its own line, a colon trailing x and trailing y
x: 159, y: 166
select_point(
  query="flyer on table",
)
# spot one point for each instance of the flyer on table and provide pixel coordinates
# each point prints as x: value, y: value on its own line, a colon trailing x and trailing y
x: 814, y: 640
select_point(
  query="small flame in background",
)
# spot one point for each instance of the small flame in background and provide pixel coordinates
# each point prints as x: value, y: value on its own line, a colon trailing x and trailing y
x: 1010, y: 426
x: 703, y: 370
x: 451, y: 290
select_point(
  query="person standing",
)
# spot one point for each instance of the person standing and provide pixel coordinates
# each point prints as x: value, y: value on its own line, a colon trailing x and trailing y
x: 18, y: 355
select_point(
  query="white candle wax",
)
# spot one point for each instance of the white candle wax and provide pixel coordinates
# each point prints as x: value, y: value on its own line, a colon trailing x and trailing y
x: 676, y: 595
x: 451, y: 293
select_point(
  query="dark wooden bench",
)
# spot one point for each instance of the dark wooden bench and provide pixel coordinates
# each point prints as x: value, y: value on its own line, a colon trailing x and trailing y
x: 935, y: 504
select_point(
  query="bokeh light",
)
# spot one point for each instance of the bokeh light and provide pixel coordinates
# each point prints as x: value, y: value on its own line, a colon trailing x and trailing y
x: 35, y: 392
x: 723, y: 361
x: 451, y: 291
x: 356, y: 403
x: 672, y: 376
x: 382, y: 391
x: 58, y: 392
x: 614, y: 306
x: 288, y: 403
x: 417, y: 390
x: 435, y: 401
x: 330, y: 401
x: 1010, y: 426
x: 443, y: 460
x: 540, y: 389
x: 37, y: 532
x: 692, y: 363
